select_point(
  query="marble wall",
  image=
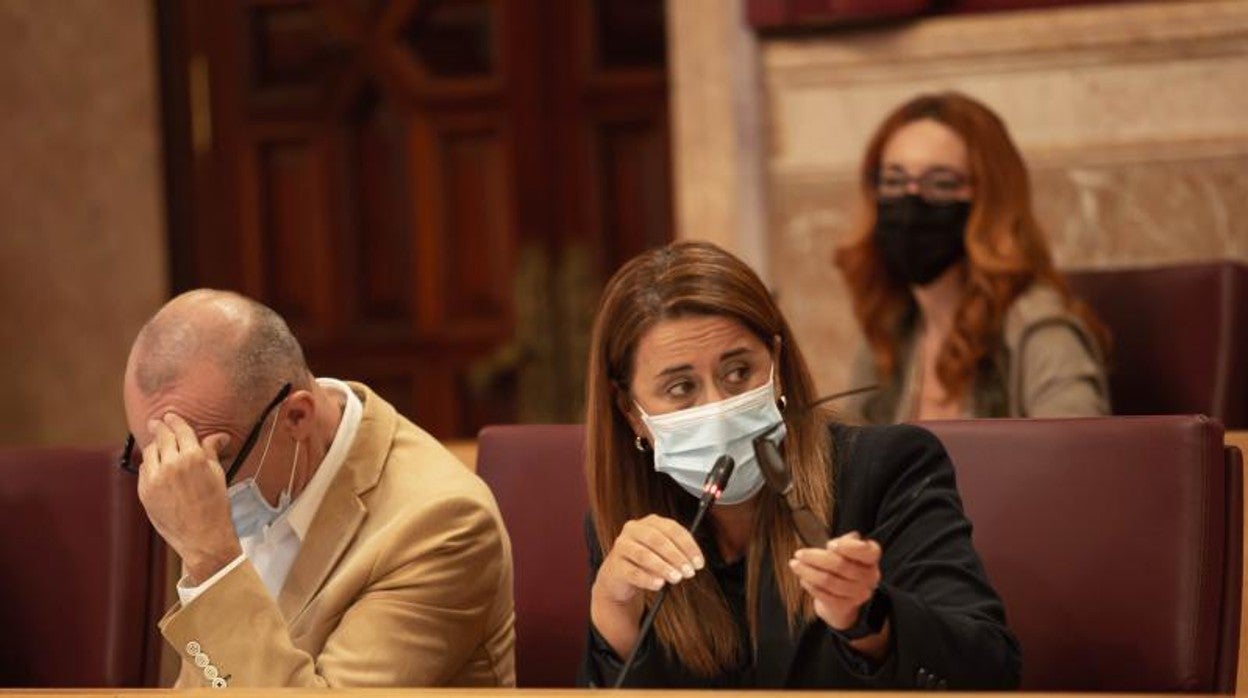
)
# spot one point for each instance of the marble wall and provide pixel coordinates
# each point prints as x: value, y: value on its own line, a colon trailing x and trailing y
x: 718, y: 127
x: 1131, y: 117
x: 82, y: 248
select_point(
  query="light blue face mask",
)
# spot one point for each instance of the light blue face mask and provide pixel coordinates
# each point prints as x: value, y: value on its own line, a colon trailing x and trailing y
x: 688, y: 442
x: 249, y: 510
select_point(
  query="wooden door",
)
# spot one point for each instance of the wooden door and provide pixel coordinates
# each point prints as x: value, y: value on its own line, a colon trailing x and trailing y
x: 431, y: 193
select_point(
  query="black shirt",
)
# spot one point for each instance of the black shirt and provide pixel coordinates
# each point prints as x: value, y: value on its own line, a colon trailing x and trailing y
x: 896, y: 485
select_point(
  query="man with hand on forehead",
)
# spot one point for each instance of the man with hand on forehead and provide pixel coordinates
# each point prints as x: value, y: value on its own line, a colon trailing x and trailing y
x: 325, y: 539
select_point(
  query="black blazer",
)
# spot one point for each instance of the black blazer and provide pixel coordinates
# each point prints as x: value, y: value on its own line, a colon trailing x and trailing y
x: 896, y: 485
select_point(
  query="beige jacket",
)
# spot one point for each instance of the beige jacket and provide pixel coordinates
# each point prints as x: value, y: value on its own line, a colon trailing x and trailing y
x: 404, y: 579
x: 1049, y: 365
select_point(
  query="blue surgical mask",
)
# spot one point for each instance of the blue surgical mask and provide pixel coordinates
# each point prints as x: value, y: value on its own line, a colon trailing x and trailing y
x: 249, y: 510
x: 688, y: 442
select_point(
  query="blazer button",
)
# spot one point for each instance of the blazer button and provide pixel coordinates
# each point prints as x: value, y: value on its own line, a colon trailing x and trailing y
x: 218, y: 682
x: 192, y: 648
x: 211, y: 672
x: 942, y: 685
x: 201, y: 660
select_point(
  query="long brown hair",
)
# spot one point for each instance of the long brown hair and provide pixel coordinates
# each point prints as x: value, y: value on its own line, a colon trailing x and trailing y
x: 1006, y: 250
x: 682, y: 279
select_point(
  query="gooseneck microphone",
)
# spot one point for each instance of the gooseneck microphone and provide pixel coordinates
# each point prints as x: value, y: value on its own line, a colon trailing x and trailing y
x: 712, y: 488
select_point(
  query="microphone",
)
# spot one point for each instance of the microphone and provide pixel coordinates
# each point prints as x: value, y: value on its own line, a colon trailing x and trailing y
x: 776, y: 473
x: 712, y: 488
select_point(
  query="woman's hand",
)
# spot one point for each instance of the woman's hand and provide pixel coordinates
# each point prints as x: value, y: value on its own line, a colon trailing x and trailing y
x: 841, y: 578
x: 648, y: 553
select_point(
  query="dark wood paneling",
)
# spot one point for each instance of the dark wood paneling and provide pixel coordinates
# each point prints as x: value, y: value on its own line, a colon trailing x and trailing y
x: 378, y: 249
x: 629, y: 35
x: 294, y: 218
x: 477, y: 261
x: 372, y: 169
x: 456, y: 38
x: 398, y: 386
x: 291, y: 56
x: 632, y: 186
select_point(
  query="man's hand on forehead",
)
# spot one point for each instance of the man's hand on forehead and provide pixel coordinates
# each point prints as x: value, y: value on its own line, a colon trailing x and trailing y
x: 182, y: 487
x: 173, y: 437
x: 183, y: 432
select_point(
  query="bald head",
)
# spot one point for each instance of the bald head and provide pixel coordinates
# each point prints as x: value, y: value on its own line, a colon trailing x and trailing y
x: 247, y: 342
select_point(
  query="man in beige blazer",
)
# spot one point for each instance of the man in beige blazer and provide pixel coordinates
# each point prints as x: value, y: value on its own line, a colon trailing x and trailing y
x: 325, y: 539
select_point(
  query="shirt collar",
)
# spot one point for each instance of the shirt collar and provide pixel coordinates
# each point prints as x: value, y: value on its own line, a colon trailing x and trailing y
x: 305, y: 505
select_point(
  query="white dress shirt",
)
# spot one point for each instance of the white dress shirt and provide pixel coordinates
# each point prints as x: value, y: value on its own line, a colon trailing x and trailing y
x: 273, y: 550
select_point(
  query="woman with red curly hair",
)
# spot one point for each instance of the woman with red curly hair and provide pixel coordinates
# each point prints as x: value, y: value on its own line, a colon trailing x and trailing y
x: 952, y: 282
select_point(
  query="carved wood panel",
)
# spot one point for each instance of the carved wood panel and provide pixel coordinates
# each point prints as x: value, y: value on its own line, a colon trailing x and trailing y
x: 374, y: 171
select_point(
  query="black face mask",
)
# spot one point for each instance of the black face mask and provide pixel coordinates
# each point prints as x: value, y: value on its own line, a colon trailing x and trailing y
x: 920, y: 240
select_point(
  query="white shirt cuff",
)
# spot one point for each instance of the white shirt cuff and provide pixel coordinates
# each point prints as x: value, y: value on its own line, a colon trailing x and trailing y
x: 187, y: 594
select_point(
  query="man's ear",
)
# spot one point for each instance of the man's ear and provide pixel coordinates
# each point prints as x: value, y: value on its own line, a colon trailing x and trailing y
x: 299, y: 415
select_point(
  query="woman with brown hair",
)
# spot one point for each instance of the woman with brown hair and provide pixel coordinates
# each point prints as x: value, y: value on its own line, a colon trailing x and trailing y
x: 690, y: 360
x: 952, y: 283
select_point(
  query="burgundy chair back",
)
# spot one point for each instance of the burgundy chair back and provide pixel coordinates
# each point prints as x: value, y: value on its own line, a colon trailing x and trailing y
x: 1116, y: 544
x: 537, y: 475
x: 1180, y: 338
x: 82, y: 573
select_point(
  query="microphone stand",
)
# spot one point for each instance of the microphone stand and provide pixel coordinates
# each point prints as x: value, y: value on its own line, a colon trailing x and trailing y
x: 712, y: 488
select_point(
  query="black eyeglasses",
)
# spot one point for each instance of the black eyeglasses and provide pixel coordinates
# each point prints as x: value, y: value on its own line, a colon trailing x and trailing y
x: 128, y: 463
x: 937, y: 185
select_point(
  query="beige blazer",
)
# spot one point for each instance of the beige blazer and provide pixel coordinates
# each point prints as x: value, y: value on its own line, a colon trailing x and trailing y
x: 404, y: 579
x: 1048, y: 365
